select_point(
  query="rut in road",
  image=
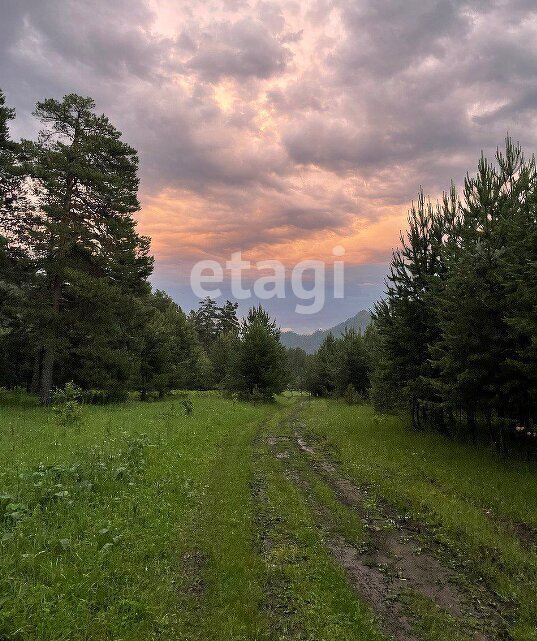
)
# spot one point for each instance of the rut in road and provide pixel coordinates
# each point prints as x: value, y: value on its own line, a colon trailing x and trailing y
x: 396, y: 563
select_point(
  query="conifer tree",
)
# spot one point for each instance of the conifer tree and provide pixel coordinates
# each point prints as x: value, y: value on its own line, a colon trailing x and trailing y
x: 352, y: 367
x: 9, y: 151
x: 258, y: 365
x: 297, y: 364
x: 228, y: 322
x: 472, y: 307
x: 405, y: 320
x: 15, y: 263
x: 321, y: 370
x: 518, y: 262
x: 457, y: 329
x: 205, y: 320
x: 81, y: 227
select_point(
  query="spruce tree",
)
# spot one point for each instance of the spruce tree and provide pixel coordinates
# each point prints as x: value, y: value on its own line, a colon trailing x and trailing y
x: 353, y: 365
x: 206, y: 320
x: 10, y: 195
x: 297, y: 364
x: 15, y: 262
x: 228, y: 322
x: 473, y: 304
x: 259, y: 364
x: 406, y: 321
x: 9, y: 152
x: 321, y: 371
x: 184, y: 364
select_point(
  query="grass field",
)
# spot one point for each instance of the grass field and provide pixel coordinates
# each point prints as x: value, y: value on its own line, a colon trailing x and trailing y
x: 305, y: 519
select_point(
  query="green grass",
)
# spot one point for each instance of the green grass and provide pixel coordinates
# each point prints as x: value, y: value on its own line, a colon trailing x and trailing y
x: 144, y: 523
x: 97, y: 537
x: 474, y: 502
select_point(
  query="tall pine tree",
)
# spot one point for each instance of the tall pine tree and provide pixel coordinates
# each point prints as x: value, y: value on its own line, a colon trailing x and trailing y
x: 80, y: 229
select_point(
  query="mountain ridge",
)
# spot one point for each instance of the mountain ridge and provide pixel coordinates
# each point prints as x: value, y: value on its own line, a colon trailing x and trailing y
x: 310, y: 343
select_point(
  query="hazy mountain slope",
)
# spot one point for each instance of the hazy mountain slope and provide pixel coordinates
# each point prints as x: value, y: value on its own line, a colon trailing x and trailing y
x: 310, y: 343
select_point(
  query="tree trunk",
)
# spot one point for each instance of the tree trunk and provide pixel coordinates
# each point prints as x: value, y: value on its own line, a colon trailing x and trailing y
x: 417, y: 412
x: 49, y: 351
x: 488, y: 421
x: 47, y: 363
x: 441, y: 423
x: 501, y: 437
x: 413, y: 412
x: 500, y: 422
x: 472, y: 425
x: 36, y: 374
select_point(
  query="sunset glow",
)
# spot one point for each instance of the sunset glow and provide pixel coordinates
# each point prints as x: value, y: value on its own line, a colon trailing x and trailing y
x: 281, y: 129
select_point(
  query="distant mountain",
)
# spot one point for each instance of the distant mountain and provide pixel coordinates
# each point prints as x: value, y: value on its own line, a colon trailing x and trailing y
x: 310, y: 343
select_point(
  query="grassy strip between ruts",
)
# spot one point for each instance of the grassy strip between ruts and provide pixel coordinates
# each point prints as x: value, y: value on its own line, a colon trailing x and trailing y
x: 265, y: 572
x: 308, y: 595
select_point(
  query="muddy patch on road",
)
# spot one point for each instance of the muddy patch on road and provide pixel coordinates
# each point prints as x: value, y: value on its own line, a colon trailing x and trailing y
x: 374, y: 587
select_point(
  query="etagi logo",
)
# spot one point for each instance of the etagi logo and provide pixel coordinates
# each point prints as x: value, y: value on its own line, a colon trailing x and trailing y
x: 307, y: 280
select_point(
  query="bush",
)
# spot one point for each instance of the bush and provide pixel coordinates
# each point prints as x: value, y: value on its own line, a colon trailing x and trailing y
x: 351, y: 396
x: 66, y: 405
x: 257, y: 396
x: 104, y: 397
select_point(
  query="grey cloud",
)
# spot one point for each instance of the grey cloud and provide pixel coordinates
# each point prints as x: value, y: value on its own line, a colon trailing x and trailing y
x: 11, y: 24
x: 333, y: 144
x: 305, y: 95
x: 310, y: 218
x: 270, y: 14
x: 105, y: 49
x: 186, y: 42
x: 408, y: 93
x: 291, y: 36
x: 409, y: 89
x: 386, y: 36
x: 525, y: 104
x: 110, y: 39
x: 243, y: 49
x: 186, y: 144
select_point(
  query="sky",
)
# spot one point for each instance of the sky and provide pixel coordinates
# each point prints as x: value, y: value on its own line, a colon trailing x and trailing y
x: 282, y: 129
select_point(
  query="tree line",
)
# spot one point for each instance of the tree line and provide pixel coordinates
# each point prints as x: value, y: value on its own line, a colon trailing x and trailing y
x: 455, y: 338
x: 75, y: 300
x: 341, y: 367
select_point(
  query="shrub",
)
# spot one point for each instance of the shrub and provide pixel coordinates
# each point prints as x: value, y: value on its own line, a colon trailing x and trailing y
x: 351, y: 396
x: 66, y: 405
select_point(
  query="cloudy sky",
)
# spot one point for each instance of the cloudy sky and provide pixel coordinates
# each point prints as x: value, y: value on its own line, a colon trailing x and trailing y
x: 283, y: 128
